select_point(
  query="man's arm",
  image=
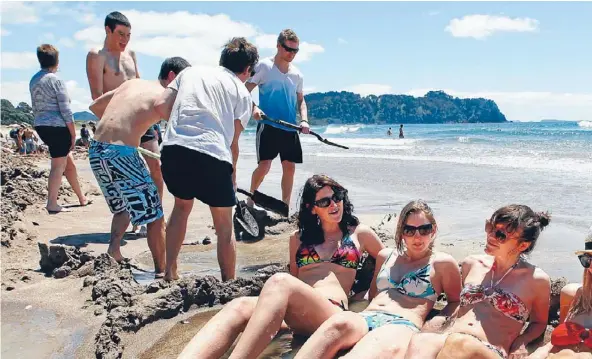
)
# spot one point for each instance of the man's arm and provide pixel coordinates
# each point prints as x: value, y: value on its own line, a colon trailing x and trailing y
x: 238, y: 128
x: 303, y: 112
x: 164, y: 104
x: 133, y: 55
x: 100, y: 104
x: 95, y: 63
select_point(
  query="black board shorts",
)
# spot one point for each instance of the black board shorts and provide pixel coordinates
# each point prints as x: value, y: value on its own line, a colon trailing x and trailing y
x: 272, y: 141
x: 190, y: 174
x: 57, y: 139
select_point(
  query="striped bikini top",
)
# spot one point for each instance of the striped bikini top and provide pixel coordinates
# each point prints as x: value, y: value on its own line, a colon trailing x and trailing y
x: 416, y: 284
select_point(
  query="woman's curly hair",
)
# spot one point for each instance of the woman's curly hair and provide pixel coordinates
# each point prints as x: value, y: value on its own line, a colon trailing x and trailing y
x: 311, y: 231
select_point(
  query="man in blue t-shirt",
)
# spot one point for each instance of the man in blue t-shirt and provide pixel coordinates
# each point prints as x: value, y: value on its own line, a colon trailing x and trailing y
x: 280, y: 96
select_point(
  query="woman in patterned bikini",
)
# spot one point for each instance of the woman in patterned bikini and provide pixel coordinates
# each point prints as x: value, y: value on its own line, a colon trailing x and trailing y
x: 501, y: 292
x: 406, y: 285
x: 573, y: 336
x: 324, y: 255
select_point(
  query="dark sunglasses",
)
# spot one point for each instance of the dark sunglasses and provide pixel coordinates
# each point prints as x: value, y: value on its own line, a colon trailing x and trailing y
x: 337, y: 197
x: 423, y: 230
x: 585, y: 260
x: 289, y: 49
x: 500, y: 235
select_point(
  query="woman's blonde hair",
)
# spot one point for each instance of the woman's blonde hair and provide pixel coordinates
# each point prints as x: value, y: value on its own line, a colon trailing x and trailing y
x: 412, y: 207
x: 583, y: 302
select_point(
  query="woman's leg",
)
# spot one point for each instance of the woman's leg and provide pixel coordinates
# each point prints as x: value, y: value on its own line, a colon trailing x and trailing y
x: 72, y: 177
x: 58, y: 165
x: 425, y: 345
x: 389, y: 342
x: 283, y: 297
x: 464, y: 346
x: 341, y: 331
x: 217, y: 335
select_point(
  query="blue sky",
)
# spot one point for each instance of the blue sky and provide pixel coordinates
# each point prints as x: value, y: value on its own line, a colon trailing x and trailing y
x: 533, y: 59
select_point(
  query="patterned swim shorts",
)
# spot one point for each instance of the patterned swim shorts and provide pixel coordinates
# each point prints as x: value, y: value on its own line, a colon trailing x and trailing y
x: 125, y: 181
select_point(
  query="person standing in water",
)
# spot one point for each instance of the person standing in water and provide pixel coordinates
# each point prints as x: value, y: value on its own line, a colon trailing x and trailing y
x: 401, y: 132
x: 389, y: 132
x: 280, y: 94
x: 108, y: 68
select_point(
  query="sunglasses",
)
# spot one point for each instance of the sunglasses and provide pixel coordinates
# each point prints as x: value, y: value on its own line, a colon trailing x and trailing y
x: 337, y: 197
x: 289, y: 49
x: 500, y: 235
x: 585, y: 260
x: 423, y: 230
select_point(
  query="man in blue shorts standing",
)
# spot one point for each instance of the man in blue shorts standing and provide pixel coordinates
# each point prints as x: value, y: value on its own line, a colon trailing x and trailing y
x: 280, y: 96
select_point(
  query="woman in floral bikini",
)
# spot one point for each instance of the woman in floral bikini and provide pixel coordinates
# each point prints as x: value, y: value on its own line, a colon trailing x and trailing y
x: 501, y: 292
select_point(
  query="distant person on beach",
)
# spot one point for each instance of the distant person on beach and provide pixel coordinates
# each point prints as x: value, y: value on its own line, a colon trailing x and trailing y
x: 30, y: 140
x: 324, y: 254
x: 112, y: 65
x: 84, y: 136
x: 126, y: 113
x: 407, y: 282
x: 401, y: 132
x: 569, y: 339
x: 280, y: 97
x: 93, y: 127
x: 207, y: 108
x: 389, y: 132
x: 54, y: 124
x: 502, y: 292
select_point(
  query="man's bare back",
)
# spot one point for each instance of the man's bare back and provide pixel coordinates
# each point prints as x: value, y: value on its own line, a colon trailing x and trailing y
x: 127, y: 112
x: 108, y: 70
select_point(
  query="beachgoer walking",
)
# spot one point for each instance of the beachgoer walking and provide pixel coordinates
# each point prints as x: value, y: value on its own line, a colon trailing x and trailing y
x: 54, y: 124
x: 280, y: 97
x: 126, y: 113
x: 84, y: 136
x: 207, y: 108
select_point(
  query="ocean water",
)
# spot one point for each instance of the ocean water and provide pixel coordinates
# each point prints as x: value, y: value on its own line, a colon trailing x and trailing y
x: 464, y: 171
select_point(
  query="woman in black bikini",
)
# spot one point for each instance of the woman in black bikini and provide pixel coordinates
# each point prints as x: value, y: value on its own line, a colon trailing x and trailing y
x: 324, y: 255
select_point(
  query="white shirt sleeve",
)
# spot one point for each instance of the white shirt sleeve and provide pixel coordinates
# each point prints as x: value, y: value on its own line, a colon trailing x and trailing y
x: 176, y: 83
x: 300, y: 84
x: 243, y: 109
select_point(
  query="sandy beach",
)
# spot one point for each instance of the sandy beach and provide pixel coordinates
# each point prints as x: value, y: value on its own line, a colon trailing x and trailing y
x: 63, y: 316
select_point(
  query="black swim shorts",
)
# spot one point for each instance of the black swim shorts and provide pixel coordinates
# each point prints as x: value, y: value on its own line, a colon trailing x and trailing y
x: 272, y: 141
x: 57, y: 139
x: 191, y: 174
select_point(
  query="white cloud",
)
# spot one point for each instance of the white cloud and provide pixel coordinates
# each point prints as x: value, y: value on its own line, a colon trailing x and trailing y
x: 482, y: 26
x: 66, y: 42
x: 19, y: 60
x: 47, y: 37
x: 341, y: 40
x: 196, y: 37
x: 370, y: 89
x: 4, y: 32
x: 309, y: 89
x: 18, y: 13
x: 531, y: 105
x: 18, y: 91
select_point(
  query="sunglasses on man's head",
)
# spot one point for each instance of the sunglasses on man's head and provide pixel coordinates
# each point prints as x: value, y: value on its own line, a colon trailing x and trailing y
x: 289, y: 49
x: 585, y: 260
x: 324, y: 202
x: 423, y: 230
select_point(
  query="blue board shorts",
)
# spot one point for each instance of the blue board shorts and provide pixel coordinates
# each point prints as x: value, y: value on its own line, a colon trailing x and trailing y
x: 125, y: 181
x: 375, y: 320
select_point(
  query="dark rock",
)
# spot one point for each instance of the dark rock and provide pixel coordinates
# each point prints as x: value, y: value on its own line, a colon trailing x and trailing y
x: 207, y: 240
x: 9, y: 288
x: 62, y: 272
x: 25, y: 278
x: 56, y: 256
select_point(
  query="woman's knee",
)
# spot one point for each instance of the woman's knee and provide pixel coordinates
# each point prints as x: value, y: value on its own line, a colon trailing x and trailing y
x: 241, y: 308
x: 281, y: 282
x: 342, y: 324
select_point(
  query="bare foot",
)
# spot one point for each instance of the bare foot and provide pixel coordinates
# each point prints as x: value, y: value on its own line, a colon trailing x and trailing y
x: 85, y: 202
x: 57, y: 209
x: 171, y: 277
x: 158, y: 275
x: 116, y: 255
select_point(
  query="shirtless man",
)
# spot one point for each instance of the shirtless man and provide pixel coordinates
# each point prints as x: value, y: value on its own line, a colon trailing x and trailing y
x: 30, y: 140
x: 109, y: 67
x: 126, y: 113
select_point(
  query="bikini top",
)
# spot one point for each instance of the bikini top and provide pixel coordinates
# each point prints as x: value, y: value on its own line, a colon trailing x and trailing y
x: 347, y: 255
x: 505, y: 302
x: 570, y: 333
x: 414, y: 284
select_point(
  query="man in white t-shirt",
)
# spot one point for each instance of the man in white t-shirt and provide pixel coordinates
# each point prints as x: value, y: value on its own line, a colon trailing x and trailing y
x: 280, y: 97
x: 207, y: 108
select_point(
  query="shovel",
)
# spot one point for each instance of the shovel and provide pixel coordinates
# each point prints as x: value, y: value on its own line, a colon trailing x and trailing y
x: 295, y: 127
x: 267, y: 202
